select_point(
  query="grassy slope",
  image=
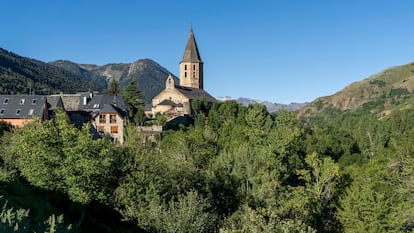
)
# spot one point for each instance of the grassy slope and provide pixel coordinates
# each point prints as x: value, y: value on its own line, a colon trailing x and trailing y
x: 379, y: 93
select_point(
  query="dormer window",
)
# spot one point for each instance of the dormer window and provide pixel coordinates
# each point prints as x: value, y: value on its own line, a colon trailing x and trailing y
x: 30, y: 112
x: 21, y: 101
x: 96, y: 106
x: 18, y: 111
x: 34, y: 101
x: 6, y: 101
x: 2, y: 111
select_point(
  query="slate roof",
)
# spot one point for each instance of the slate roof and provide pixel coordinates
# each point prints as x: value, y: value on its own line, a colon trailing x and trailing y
x: 195, y: 93
x: 18, y: 107
x: 109, y: 108
x: 74, y: 102
x: 191, y: 53
x: 55, y: 102
x: 170, y: 103
x: 100, y: 101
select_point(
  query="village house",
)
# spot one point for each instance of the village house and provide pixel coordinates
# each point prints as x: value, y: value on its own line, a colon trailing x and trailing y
x: 108, y: 114
x: 19, y: 110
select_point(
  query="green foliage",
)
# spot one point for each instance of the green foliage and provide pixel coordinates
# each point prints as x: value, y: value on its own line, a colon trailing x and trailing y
x: 133, y: 96
x: 57, y: 156
x: 113, y: 88
x: 5, y: 127
x: 249, y: 220
x: 379, y: 82
x: 237, y: 169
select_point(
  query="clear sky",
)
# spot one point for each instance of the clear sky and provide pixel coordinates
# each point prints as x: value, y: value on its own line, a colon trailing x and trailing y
x: 280, y: 51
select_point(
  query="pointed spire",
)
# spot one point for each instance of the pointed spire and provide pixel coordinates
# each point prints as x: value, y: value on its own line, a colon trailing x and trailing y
x: 191, y: 53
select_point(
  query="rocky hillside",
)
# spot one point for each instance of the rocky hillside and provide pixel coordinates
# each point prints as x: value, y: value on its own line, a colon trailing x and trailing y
x: 271, y: 107
x: 149, y: 75
x: 21, y: 75
x: 379, y: 93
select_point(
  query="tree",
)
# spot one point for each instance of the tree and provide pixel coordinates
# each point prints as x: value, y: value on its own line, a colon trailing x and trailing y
x: 133, y: 96
x: 54, y: 155
x: 113, y: 88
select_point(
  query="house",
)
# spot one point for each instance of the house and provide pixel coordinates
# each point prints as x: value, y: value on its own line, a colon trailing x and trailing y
x: 73, y: 105
x: 108, y: 115
x: 175, y: 100
x: 19, y: 110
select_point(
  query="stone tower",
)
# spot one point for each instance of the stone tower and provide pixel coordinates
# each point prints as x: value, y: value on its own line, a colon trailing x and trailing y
x: 191, y: 66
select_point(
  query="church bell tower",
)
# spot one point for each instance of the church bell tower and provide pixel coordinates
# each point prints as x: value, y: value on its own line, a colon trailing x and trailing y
x: 191, y: 66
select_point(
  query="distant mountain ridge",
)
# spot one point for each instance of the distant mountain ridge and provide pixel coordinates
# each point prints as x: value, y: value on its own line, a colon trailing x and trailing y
x: 22, y: 75
x: 271, y: 107
x: 149, y: 75
x: 380, y: 93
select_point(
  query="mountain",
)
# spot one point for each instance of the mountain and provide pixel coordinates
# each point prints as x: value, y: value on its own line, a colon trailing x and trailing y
x: 21, y: 75
x: 380, y: 93
x: 271, y: 107
x: 149, y: 75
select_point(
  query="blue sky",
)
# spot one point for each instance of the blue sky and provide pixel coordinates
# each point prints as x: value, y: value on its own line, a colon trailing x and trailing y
x: 280, y: 51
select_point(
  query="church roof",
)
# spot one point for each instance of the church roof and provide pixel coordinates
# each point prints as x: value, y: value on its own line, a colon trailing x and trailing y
x: 170, y: 103
x: 191, y: 53
x: 195, y: 93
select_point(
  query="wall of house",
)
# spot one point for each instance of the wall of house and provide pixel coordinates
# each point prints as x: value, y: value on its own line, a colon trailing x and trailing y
x: 108, y: 127
x: 17, y: 122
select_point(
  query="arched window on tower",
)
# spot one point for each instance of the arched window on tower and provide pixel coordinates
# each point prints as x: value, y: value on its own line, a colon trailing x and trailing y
x: 185, y: 67
x: 185, y: 74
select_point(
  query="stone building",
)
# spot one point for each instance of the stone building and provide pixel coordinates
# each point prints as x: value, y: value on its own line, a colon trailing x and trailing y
x: 175, y: 100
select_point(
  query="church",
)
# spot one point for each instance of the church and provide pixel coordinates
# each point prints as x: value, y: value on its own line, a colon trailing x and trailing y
x: 175, y: 100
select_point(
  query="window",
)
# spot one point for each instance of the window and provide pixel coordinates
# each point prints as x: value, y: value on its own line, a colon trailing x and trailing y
x: 6, y: 101
x: 185, y: 74
x: 31, y: 112
x: 96, y: 106
x: 34, y: 101
x: 2, y: 111
x: 101, y: 129
x: 21, y: 101
x: 185, y: 67
x: 193, y: 74
x: 18, y: 111
x: 114, y: 129
x: 102, y: 118
x: 193, y: 67
x: 112, y: 118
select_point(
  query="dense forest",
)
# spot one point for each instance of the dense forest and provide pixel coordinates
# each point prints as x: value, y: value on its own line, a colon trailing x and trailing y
x: 22, y: 75
x: 236, y: 169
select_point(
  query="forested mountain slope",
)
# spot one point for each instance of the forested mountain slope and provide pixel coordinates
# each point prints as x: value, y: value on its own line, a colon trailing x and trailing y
x: 149, y: 75
x: 381, y: 93
x: 19, y: 75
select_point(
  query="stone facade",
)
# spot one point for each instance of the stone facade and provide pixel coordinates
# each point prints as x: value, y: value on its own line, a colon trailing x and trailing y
x: 175, y: 100
x: 110, y: 123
